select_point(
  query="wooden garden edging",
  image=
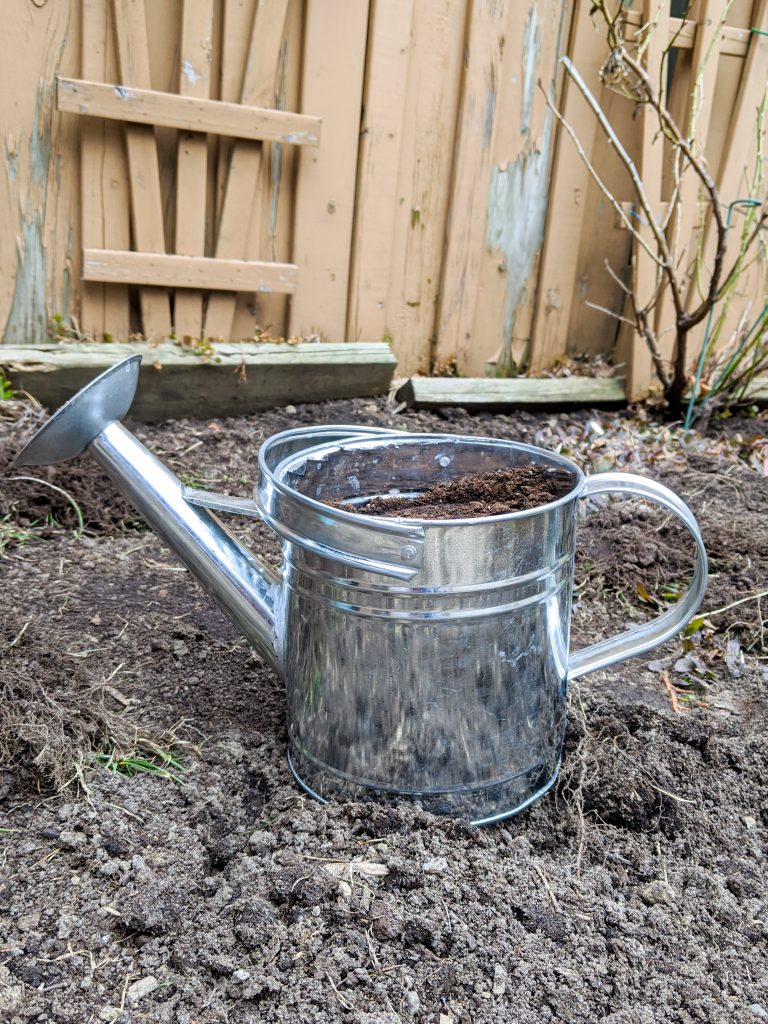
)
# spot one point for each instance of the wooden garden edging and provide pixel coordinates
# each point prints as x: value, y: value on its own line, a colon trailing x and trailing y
x: 236, y: 379
x: 542, y: 393
x: 474, y: 393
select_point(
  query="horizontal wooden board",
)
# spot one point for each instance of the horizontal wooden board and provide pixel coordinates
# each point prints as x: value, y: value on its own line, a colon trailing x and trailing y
x: 188, y: 113
x: 734, y: 41
x: 188, y: 271
x: 512, y: 392
x: 238, y: 379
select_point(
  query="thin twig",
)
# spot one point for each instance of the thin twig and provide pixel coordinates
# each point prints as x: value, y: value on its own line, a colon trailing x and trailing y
x: 671, y: 691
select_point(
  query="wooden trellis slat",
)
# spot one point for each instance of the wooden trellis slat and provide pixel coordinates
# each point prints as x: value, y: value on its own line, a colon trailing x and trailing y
x: 165, y: 270
x: 186, y: 112
x: 105, y: 202
x: 146, y: 197
x: 239, y: 200
x: 734, y: 41
x: 192, y: 159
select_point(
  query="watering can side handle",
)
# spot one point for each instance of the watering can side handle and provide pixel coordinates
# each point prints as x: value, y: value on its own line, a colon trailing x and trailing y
x: 650, y: 634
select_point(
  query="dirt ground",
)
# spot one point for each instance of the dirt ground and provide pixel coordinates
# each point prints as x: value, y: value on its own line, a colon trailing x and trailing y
x: 634, y: 893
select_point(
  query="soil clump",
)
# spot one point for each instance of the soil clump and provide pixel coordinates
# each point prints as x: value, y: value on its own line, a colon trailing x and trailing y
x: 479, y: 494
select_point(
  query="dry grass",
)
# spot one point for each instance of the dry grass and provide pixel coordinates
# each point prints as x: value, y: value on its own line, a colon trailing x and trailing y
x: 60, y: 730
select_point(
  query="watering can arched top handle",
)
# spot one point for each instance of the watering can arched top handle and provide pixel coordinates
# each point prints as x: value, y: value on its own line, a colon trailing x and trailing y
x: 649, y: 634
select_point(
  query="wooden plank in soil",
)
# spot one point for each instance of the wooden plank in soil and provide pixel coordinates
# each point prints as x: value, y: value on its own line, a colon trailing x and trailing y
x: 192, y: 159
x: 146, y: 198
x: 105, y: 201
x: 381, y: 141
x: 512, y: 392
x: 175, y: 383
x: 239, y: 200
x: 332, y: 81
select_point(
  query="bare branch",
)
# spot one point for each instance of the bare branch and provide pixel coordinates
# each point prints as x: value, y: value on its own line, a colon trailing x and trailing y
x: 612, y: 314
x: 598, y: 180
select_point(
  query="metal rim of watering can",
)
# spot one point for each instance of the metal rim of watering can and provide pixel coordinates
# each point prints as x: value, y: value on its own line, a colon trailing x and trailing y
x: 289, y: 464
x: 388, y: 548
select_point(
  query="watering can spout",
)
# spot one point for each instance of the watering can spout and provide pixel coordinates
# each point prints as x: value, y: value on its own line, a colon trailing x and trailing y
x: 247, y: 590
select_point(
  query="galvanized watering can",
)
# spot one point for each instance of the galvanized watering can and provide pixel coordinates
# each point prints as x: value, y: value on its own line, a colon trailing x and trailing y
x: 422, y: 658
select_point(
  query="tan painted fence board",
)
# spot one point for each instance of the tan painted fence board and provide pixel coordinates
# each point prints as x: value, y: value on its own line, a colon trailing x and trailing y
x: 332, y: 81
x: 186, y: 112
x: 105, y: 201
x: 645, y: 272
x: 518, y: 193
x: 737, y: 166
x: 381, y: 141
x: 700, y: 97
x: 570, y: 184
x: 475, y: 157
x: 436, y: 58
x: 192, y: 159
x: 240, y: 203
x: 146, y: 195
x: 170, y: 271
x: 39, y: 194
x: 271, y: 232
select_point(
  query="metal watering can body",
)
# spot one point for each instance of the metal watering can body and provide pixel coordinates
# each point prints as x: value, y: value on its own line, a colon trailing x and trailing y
x: 422, y: 658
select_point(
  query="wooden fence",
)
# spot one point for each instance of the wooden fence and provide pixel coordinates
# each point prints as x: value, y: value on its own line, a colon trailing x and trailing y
x: 402, y: 177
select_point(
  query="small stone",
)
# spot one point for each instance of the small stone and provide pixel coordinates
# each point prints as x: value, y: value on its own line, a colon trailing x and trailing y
x: 71, y: 840
x: 656, y: 892
x: 749, y: 821
x: 290, y: 410
x: 142, y: 987
x: 413, y: 1002
x: 241, y: 974
x: 435, y: 866
x: 499, y: 980
x: 371, y: 408
x: 758, y: 1011
x: 109, y: 1013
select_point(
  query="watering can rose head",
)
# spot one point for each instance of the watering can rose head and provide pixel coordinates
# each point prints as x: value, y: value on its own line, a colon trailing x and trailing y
x: 424, y: 657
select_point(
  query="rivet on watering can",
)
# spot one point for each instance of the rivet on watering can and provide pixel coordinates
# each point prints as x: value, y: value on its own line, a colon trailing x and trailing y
x: 408, y: 553
x: 443, y: 460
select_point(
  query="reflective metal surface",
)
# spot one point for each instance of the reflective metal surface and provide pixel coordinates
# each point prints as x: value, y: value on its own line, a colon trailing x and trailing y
x: 422, y: 658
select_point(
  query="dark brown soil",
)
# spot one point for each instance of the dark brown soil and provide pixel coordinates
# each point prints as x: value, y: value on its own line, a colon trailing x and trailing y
x: 480, y: 494
x: 635, y: 893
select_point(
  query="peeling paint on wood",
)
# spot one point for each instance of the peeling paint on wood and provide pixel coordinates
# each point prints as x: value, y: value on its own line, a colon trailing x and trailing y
x: 501, y: 180
x: 38, y: 202
x: 517, y: 212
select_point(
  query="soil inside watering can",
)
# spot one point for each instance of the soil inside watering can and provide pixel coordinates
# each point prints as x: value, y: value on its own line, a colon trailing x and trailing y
x: 480, y: 494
